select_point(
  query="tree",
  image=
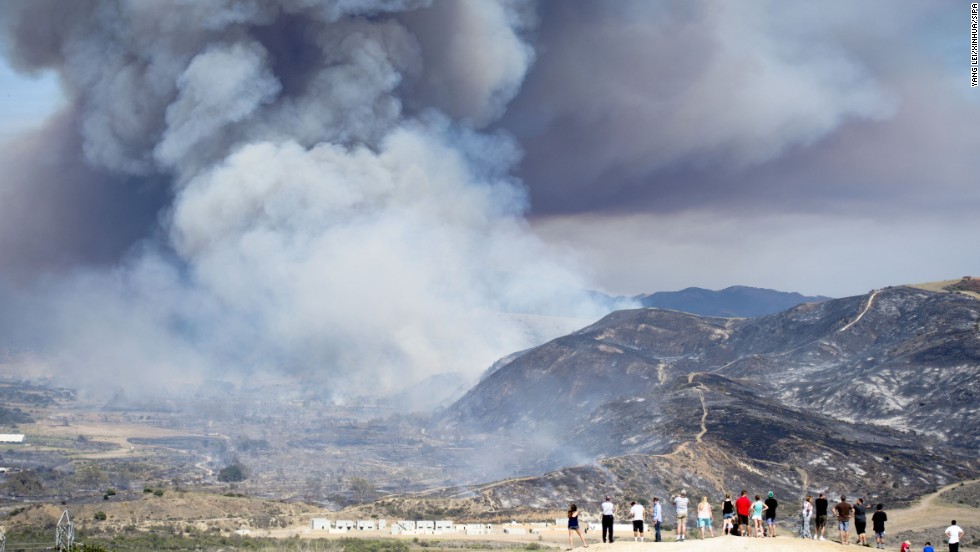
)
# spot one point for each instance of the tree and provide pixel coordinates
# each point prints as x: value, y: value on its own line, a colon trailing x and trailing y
x: 90, y: 476
x: 25, y: 483
x: 232, y: 474
x: 362, y: 489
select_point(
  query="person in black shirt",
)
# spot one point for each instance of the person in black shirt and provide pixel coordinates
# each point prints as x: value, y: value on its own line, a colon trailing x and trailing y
x: 878, y: 525
x: 820, y: 505
x: 727, y: 513
x: 771, y: 514
x: 860, y: 522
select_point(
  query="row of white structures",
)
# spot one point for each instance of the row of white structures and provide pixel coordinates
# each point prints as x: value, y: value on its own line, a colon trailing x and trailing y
x: 437, y: 527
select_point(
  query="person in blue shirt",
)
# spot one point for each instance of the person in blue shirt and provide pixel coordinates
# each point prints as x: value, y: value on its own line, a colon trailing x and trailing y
x: 928, y: 547
x: 658, y: 517
x: 573, y: 526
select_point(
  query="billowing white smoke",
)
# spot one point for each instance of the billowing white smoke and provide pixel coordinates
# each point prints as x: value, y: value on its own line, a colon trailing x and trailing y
x: 337, y: 214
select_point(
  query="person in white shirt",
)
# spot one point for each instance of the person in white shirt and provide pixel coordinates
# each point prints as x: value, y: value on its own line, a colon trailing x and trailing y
x: 636, y: 513
x: 607, y: 519
x: 954, y: 533
x: 680, y: 508
x: 658, y: 518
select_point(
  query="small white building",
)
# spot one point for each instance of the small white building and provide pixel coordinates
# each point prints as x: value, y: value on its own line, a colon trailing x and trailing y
x: 319, y: 524
x: 382, y: 524
x: 475, y: 529
x: 405, y: 525
x: 11, y: 437
x: 343, y: 526
x: 243, y: 532
x: 365, y: 525
x: 425, y: 525
x: 444, y: 525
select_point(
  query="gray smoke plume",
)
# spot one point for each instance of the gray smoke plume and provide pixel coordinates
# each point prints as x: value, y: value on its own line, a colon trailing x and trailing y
x: 333, y: 211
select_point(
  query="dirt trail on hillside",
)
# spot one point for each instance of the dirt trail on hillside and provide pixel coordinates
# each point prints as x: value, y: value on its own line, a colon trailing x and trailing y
x: 929, y: 511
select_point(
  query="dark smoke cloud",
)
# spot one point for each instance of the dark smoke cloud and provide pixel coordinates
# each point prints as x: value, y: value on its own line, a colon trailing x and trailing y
x: 640, y: 106
x: 336, y: 214
x: 58, y: 212
x: 327, y: 189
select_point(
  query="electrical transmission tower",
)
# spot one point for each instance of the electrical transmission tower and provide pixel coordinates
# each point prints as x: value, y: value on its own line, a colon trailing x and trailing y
x: 64, y: 535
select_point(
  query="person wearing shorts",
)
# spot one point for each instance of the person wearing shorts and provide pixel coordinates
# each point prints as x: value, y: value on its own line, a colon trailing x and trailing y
x: 573, y: 526
x: 860, y: 522
x: 636, y: 514
x: 758, y: 507
x: 820, y: 508
x: 704, y: 517
x: 680, y: 508
x: 742, y: 506
x: 727, y: 513
x: 771, y: 514
x: 878, y: 525
x: 843, y: 511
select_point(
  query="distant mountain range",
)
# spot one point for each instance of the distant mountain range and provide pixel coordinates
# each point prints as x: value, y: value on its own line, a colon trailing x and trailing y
x: 871, y: 395
x: 731, y: 302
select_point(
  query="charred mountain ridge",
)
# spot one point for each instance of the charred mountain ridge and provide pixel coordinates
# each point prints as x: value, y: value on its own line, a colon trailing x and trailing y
x: 874, y: 393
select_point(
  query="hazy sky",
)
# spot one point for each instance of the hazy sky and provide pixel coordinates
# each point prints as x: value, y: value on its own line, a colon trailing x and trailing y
x: 300, y: 174
x: 827, y: 149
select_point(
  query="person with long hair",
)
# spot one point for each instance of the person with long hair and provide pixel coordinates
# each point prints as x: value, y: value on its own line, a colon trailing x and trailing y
x: 757, y: 508
x: 704, y: 517
x: 573, y: 526
x: 805, y: 515
x: 727, y: 513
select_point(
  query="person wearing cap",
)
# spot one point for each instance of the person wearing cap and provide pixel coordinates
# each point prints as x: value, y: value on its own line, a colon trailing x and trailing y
x: 680, y: 508
x: 771, y: 514
x: 607, y: 519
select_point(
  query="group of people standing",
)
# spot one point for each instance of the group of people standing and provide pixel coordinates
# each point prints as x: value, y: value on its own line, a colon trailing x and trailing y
x: 745, y: 517
x: 844, y: 512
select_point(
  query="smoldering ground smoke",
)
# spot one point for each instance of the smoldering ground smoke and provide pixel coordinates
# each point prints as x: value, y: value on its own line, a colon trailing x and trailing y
x: 334, y: 211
